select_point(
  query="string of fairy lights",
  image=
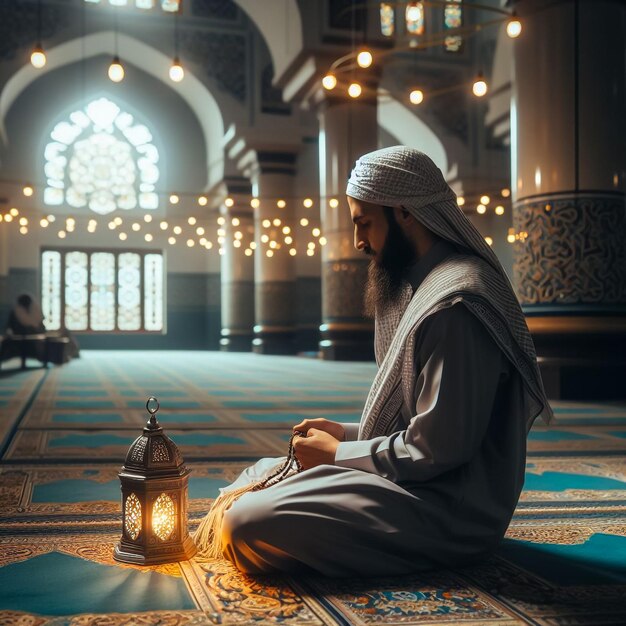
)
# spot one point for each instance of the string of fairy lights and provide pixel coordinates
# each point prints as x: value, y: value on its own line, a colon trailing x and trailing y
x: 210, y: 232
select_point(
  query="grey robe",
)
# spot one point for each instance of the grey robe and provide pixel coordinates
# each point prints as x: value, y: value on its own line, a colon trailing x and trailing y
x: 438, y: 491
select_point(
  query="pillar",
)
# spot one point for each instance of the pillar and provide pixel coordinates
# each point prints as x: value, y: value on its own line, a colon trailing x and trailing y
x: 274, y: 267
x: 569, y: 191
x: 348, y: 129
x: 237, y: 271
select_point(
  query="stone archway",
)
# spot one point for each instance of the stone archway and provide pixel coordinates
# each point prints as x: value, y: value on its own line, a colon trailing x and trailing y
x: 191, y: 90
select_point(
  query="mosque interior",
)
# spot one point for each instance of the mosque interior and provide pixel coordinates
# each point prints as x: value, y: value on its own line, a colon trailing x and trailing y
x: 172, y: 193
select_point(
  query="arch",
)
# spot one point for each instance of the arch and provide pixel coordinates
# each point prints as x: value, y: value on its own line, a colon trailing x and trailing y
x: 154, y: 62
x: 280, y: 24
x: 411, y: 131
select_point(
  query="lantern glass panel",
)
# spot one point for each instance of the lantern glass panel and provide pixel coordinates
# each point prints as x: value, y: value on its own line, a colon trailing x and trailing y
x: 163, y: 517
x: 132, y: 516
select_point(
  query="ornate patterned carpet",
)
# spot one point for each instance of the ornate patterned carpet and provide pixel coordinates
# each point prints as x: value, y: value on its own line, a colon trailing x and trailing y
x: 64, y: 433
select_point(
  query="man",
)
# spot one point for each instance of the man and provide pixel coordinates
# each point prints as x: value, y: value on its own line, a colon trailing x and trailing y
x: 432, y: 475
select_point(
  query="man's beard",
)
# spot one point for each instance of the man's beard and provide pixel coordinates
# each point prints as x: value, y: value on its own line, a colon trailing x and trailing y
x: 385, y: 278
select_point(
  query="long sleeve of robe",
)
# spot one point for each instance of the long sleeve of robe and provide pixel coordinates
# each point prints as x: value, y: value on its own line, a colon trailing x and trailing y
x: 459, y: 368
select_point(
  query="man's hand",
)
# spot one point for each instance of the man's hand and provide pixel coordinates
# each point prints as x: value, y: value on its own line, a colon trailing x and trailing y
x: 332, y: 428
x: 316, y: 448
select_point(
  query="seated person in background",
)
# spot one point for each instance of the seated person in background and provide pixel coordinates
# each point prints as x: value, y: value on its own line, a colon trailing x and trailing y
x: 26, y: 317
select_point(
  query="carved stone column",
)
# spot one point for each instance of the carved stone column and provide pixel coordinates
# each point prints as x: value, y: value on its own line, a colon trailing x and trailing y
x: 348, y: 129
x: 569, y: 184
x: 237, y: 269
x: 274, y: 267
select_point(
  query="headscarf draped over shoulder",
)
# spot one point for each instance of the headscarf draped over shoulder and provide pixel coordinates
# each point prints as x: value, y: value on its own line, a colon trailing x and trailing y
x: 407, y: 178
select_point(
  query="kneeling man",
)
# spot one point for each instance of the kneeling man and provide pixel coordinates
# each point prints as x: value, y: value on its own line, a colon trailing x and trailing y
x: 433, y: 472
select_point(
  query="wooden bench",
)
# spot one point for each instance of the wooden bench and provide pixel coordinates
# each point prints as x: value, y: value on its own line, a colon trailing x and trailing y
x: 45, y: 348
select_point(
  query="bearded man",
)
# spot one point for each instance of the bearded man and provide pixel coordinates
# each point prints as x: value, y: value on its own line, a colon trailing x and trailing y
x: 432, y: 474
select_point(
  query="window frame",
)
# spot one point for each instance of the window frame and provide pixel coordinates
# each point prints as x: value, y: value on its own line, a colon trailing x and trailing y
x: 142, y: 252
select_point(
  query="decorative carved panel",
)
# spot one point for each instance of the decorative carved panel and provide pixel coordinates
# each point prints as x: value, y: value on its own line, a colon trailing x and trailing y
x: 275, y: 303
x: 343, y: 287
x: 222, y: 55
x: 574, y: 250
x: 217, y: 9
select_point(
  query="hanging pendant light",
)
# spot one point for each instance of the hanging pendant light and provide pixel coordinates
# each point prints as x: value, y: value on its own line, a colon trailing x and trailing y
x: 116, y: 70
x: 177, y: 73
x: 38, y: 56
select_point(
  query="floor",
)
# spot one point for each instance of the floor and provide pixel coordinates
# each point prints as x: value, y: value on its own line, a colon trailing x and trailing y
x: 64, y: 433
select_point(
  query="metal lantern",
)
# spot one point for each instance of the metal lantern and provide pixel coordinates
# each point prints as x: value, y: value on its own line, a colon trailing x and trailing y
x: 154, y: 499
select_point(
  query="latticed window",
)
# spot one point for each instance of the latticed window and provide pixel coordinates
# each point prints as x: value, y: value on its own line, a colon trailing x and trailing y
x: 102, y: 159
x: 387, y: 19
x: 452, y: 19
x: 414, y: 15
x: 102, y: 291
x: 171, y: 6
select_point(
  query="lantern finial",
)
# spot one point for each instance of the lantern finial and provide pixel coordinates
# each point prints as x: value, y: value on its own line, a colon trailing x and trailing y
x: 152, y: 405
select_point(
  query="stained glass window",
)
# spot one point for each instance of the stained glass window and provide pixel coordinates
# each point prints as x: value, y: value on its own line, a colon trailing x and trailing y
x: 415, y: 18
x: 129, y: 291
x: 76, y: 296
x: 153, y: 280
x: 51, y: 288
x: 387, y: 19
x: 102, y: 291
x: 102, y: 286
x: 453, y: 18
x: 102, y: 159
x: 171, y: 6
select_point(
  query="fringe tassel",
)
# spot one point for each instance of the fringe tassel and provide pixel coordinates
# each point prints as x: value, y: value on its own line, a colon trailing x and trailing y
x: 208, y: 536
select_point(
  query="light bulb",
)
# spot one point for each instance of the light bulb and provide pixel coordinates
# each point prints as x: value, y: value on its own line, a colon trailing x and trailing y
x: 27, y: 191
x: 229, y: 202
x: 304, y: 222
x: 308, y: 203
x: 174, y: 199
x: 485, y: 199
x: 292, y: 252
x: 505, y: 192
x: 177, y: 73
x: 354, y: 90
x: 191, y: 221
x: 514, y: 27
x: 163, y: 225
x: 416, y: 96
x: 281, y: 204
x: 146, y: 218
x: 191, y: 243
x: 202, y: 200
x: 177, y: 230
x: 499, y: 210
x: 460, y: 200
x: 316, y: 232
x: 235, y: 221
x: 364, y: 58
x: 334, y: 203
x: 123, y: 236
x: 479, y: 87
x: 116, y: 71
x: 489, y: 241
x: 38, y: 57
x: 254, y: 203
x: 481, y: 208
x: 171, y: 240
x: 329, y: 82
x: 266, y: 223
